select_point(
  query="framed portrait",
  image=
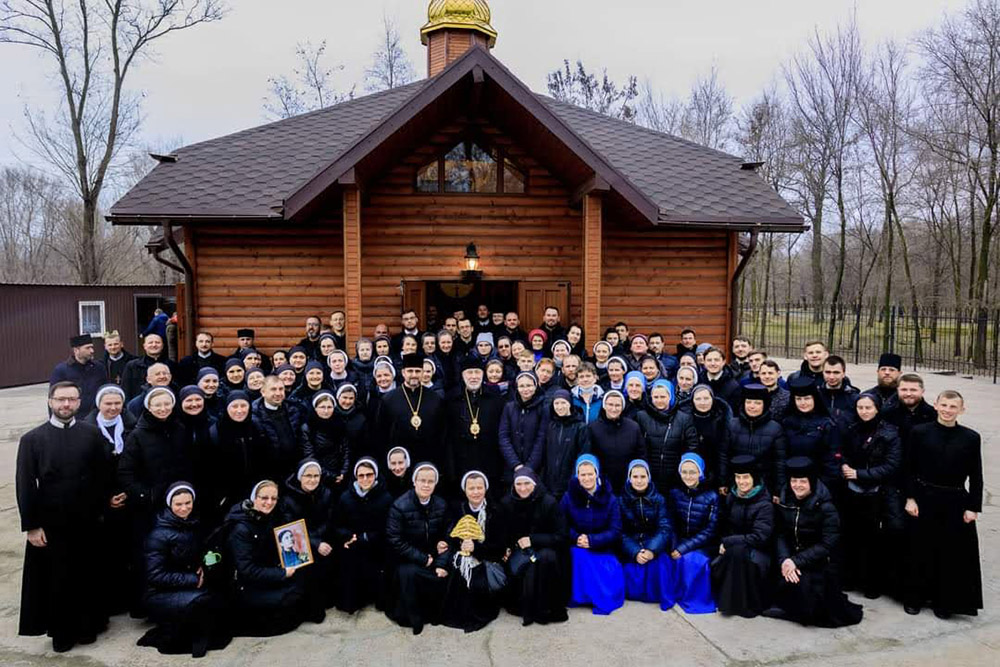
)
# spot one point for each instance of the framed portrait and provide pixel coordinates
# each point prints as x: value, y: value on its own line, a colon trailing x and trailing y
x: 294, y: 549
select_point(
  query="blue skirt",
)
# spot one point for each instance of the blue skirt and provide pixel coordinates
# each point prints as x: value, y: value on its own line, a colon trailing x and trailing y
x: 597, y: 580
x: 652, y: 582
x: 694, y: 583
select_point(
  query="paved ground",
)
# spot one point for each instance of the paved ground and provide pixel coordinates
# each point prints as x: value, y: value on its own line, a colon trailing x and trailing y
x: 636, y: 634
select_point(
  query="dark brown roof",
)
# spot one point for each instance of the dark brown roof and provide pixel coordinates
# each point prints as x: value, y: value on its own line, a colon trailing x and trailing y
x: 253, y: 174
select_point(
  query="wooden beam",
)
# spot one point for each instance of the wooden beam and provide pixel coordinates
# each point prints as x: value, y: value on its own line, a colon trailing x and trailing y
x: 592, y: 256
x: 352, y: 261
x: 593, y: 184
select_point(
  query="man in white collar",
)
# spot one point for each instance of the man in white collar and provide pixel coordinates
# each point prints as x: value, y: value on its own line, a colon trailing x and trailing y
x: 62, y: 481
x: 204, y: 357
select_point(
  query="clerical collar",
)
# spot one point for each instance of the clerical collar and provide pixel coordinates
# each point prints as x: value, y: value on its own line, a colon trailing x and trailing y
x: 713, y: 376
x: 424, y: 502
x: 114, y: 358
x: 268, y: 406
x: 412, y: 332
x: 204, y: 355
x: 58, y: 423
x: 478, y: 507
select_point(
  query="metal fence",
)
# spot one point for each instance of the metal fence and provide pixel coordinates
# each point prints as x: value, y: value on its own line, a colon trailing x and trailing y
x: 961, y: 340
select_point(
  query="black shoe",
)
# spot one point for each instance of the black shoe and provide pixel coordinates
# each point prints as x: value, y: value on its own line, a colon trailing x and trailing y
x: 942, y: 614
x: 62, y: 645
x: 86, y: 640
x: 912, y: 611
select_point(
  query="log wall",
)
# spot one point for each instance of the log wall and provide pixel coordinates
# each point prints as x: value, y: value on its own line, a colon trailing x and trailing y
x: 665, y: 280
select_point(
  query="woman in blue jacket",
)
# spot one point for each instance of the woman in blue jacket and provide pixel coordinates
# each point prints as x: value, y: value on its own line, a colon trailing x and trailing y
x: 178, y: 597
x: 595, y: 530
x: 646, y: 539
x: 522, y: 427
x: 694, y: 512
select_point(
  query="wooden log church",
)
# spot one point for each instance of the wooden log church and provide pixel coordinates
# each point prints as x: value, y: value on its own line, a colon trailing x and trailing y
x: 369, y: 206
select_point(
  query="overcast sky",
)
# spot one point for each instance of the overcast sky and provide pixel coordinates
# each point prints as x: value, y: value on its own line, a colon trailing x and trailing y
x: 212, y: 80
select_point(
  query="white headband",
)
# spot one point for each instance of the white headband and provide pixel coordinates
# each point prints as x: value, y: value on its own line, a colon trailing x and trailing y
x: 366, y: 461
x: 108, y: 389
x: 302, y: 468
x: 256, y: 487
x: 476, y: 473
x: 178, y: 488
x: 425, y: 466
x: 320, y: 395
x: 159, y: 390
x: 392, y: 451
x: 347, y: 386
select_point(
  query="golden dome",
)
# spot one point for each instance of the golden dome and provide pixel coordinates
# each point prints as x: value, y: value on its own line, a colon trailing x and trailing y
x: 461, y: 14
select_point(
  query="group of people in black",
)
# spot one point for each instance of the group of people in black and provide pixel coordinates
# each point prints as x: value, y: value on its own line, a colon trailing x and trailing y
x: 446, y: 474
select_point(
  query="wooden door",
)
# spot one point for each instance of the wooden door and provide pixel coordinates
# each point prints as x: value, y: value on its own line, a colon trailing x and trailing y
x: 534, y: 297
x: 415, y: 297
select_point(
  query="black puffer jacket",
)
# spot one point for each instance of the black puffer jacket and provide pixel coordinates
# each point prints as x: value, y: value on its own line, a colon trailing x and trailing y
x: 316, y: 507
x: 354, y: 426
x: 874, y: 450
x: 364, y: 516
x: 748, y: 521
x: 252, y: 551
x: 807, y: 531
x: 413, y: 530
x: 238, y: 459
x: 566, y: 438
x: 156, y: 454
x: 323, y: 440
x: 713, y: 438
x: 667, y: 434
x: 762, y: 438
x: 615, y: 442
x: 174, y: 551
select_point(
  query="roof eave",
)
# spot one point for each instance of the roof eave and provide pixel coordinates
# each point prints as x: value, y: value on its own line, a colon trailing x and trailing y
x: 779, y: 224
x: 158, y: 217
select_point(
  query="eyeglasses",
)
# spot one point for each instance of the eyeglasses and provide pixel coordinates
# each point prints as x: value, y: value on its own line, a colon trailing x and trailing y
x: 311, y: 476
x: 365, y: 475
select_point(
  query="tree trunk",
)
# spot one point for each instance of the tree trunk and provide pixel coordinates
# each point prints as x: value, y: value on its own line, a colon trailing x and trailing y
x: 817, y: 261
x: 88, y: 243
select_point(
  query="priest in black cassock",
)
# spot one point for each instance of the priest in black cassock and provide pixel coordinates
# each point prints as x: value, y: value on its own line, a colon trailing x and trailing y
x: 62, y: 488
x: 944, y: 466
x: 473, y: 426
x: 412, y: 416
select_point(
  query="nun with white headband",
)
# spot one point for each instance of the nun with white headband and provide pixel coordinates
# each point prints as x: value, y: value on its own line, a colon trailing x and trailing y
x: 179, y: 597
x: 477, y: 577
x: 417, y: 532
x: 320, y: 438
x: 359, y: 539
x: 305, y: 496
x: 536, y: 542
x: 268, y: 598
x: 115, y: 424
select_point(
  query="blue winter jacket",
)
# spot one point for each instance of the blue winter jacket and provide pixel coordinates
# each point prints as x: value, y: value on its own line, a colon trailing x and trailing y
x: 645, y: 522
x: 695, y: 514
x: 596, y: 516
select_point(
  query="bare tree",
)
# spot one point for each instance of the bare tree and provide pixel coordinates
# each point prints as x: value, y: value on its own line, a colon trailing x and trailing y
x: 658, y: 112
x: 583, y: 89
x: 708, y: 113
x: 390, y: 65
x: 962, y: 78
x: 29, y: 222
x: 94, y: 48
x: 824, y: 91
x: 309, y: 88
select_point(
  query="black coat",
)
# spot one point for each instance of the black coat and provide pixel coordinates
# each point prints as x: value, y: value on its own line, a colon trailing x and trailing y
x: 666, y: 436
x: 189, y: 366
x: 725, y: 387
x: 413, y: 530
x: 174, y: 551
x: 316, y: 507
x: 713, y: 438
x: 424, y: 443
x: 134, y: 375
x: 89, y: 377
x: 115, y: 368
x: 493, y: 547
x: 157, y: 454
x: 760, y: 437
x: 522, y: 434
x: 747, y: 521
x: 259, y: 576
x: 566, y: 438
x: 537, y: 517
x: 473, y: 452
x: 364, y: 516
x: 279, y: 430
x: 325, y: 441
x: 615, y: 443
x: 815, y: 436
x: 874, y: 451
x: 353, y: 426
x: 238, y: 459
x: 806, y: 531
